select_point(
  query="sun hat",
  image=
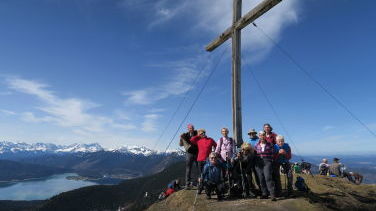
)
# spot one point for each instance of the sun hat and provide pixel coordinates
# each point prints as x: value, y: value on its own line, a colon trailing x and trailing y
x: 252, y: 131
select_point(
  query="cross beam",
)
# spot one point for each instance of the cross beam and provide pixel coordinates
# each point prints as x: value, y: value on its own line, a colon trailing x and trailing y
x: 234, y: 32
x: 251, y: 16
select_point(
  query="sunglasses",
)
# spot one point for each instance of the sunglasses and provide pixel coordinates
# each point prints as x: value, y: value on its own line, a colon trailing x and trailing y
x: 212, y: 158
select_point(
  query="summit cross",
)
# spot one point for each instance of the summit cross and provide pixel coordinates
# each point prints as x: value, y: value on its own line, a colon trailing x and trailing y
x: 238, y: 23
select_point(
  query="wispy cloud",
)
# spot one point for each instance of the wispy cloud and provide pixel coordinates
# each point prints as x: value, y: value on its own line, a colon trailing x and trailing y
x: 7, y: 112
x: 65, y: 112
x: 212, y: 17
x: 150, y: 122
x: 181, y: 79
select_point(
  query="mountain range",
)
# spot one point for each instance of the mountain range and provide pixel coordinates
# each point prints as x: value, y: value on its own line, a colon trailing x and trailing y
x: 87, y: 160
x: 12, y: 148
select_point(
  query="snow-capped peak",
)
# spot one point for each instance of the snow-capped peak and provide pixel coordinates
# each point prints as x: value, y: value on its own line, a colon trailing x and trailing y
x: 10, y: 147
x: 138, y: 150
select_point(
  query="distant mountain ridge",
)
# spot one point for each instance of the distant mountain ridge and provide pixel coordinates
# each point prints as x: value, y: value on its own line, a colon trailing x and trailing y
x: 22, y: 147
x: 87, y: 160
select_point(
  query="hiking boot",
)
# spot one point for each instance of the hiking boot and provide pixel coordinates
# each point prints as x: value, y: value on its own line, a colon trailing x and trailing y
x: 251, y: 194
x: 199, y: 190
x: 290, y: 194
x: 208, y: 196
x: 273, y: 198
x: 219, y: 197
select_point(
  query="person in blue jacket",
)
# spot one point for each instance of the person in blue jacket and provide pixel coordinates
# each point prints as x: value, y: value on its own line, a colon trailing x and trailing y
x: 282, y: 158
x: 212, y: 176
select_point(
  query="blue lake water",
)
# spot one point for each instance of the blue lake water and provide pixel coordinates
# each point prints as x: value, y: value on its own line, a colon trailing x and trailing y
x: 40, y: 189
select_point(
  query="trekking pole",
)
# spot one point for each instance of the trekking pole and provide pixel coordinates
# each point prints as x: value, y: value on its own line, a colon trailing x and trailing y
x: 243, y: 182
x: 198, y: 189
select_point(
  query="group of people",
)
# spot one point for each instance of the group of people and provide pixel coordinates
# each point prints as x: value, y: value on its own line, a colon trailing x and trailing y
x: 253, y: 170
x: 337, y: 169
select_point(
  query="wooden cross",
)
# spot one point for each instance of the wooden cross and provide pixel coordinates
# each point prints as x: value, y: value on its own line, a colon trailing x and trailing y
x: 239, y: 23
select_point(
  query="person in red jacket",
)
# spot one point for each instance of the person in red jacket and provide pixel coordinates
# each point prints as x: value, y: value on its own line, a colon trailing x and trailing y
x: 269, y: 135
x: 205, y: 146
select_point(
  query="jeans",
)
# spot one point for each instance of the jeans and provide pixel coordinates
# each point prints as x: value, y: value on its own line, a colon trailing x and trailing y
x: 265, y: 170
x: 190, y: 159
x: 277, y: 177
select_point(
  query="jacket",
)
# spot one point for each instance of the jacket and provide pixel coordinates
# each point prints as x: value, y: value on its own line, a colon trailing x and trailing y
x: 213, y: 173
x: 271, y: 138
x: 267, y: 153
x: 279, y: 158
x: 225, y: 146
x: 204, y: 146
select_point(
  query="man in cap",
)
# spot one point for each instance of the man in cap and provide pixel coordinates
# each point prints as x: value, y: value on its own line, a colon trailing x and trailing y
x: 191, y: 153
x: 253, y: 138
x: 335, y: 168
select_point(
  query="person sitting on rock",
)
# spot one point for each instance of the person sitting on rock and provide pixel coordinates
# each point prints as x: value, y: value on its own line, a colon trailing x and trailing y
x: 335, y: 168
x: 324, y: 167
x: 212, y: 176
x: 175, y: 184
x: 357, y: 178
x: 172, y: 187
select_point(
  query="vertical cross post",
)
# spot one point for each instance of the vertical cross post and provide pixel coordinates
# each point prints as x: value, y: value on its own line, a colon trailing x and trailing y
x: 236, y: 75
x: 238, y: 23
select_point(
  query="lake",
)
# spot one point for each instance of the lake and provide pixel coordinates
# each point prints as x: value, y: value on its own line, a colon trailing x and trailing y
x: 40, y: 189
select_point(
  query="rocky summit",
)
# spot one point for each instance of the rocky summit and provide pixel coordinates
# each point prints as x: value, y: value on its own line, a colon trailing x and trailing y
x: 325, y: 194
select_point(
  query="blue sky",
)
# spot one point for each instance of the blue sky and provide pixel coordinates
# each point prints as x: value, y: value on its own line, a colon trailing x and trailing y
x: 114, y: 71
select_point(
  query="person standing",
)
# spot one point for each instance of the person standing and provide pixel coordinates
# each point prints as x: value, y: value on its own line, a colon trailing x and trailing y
x: 253, y: 138
x: 269, y: 135
x: 190, y: 155
x: 225, y: 146
x: 282, y: 159
x: 205, y: 147
x: 265, y: 151
x: 242, y: 169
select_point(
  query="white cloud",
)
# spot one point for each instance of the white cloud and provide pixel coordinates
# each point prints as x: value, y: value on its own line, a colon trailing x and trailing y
x: 214, y: 16
x: 65, y: 112
x: 150, y: 122
x: 178, y: 83
x: 7, y: 112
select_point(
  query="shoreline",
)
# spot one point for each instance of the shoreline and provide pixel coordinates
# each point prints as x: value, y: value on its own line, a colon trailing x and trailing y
x: 30, y: 179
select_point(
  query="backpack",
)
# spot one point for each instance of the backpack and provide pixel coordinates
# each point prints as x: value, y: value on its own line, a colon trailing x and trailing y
x: 300, y: 184
x: 221, y: 142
